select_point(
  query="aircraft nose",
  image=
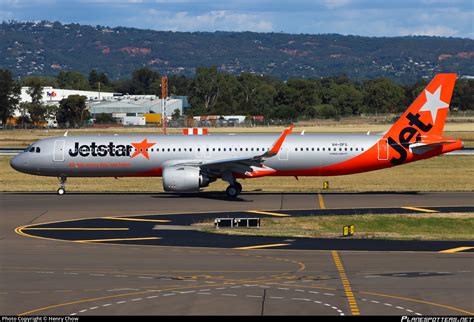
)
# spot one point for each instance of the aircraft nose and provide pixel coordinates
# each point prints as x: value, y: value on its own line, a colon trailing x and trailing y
x: 18, y: 162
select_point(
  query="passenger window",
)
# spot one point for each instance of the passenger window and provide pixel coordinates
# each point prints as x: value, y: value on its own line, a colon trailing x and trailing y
x: 38, y: 149
x: 199, y: 149
x: 324, y: 149
x: 246, y: 149
x: 251, y: 149
x: 317, y: 149
x: 179, y: 150
x: 340, y: 149
x: 296, y: 149
x: 307, y: 149
x: 224, y: 150
x: 219, y: 149
x: 32, y: 149
x: 207, y: 149
x: 362, y: 149
x: 190, y: 149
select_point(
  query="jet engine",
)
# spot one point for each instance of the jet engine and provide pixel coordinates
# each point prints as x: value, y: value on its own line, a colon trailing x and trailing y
x: 184, y: 178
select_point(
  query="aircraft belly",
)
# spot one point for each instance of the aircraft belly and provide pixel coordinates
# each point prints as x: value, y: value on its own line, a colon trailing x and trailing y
x: 99, y: 167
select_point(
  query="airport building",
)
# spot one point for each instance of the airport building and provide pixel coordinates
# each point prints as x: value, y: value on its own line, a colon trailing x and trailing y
x: 55, y: 95
x: 137, y: 109
x: 125, y: 109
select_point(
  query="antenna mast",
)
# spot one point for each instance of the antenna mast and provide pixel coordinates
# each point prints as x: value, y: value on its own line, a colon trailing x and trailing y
x: 164, y: 96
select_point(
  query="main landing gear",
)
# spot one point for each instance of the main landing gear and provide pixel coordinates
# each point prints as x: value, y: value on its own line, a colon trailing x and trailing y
x: 233, y: 190
x: 62, y: 186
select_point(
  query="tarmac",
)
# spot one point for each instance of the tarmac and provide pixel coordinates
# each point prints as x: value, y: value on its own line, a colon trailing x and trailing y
x: 134, y: 254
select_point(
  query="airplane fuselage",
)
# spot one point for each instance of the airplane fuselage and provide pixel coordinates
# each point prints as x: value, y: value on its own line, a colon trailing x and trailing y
x: 113, y: 155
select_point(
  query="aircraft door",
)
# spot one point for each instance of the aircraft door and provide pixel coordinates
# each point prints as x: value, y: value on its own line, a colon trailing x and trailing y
x: 383, y: 149
x: 283, y: 153
x: 58, y: 150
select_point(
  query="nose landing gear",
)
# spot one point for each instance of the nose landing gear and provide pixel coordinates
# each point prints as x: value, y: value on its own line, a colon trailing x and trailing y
x: 62, y: 186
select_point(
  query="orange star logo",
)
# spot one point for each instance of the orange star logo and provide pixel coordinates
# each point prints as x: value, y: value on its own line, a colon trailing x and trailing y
x: 142, y: 148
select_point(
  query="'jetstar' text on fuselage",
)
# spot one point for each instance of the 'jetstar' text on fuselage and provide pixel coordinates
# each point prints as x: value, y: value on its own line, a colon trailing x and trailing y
x: 100, y: 150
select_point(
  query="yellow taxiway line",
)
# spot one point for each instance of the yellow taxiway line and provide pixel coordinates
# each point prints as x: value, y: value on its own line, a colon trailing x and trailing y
x: 321, y: 201
x: 268, y: 213
x: 114, y: 239
x: 261, y: 246
x: 71, y: 228
x: 419, y: 209
x: 137, y: 219
x: 345, y: 283
x: 457, y: 249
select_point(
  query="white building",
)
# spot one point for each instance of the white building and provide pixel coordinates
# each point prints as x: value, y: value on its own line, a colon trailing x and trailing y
x: 135, y: 105
x: 54, y: 95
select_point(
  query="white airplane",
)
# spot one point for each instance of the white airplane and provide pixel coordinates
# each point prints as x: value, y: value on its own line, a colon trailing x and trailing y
x: 188, y: 163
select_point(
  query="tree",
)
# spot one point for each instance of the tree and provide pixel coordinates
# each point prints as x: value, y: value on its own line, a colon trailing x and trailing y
x: 9, y: 95
x: 36, y: 109
x: 463, y: 96
x: 72, y: 111
x: 142, y: 80
x: 24, y: 118
x: 104, y: 118
x: 72, y: 80
x: 93, y: 78
x: 307, y: 95
x: 176, y: 114
x: 206, y: 88
x: 345, y: 98
x: 325, y: 111
x: 382, y: 96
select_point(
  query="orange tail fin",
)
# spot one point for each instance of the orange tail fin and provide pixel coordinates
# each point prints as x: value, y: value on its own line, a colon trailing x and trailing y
x: 424, y: 120
x: 430, y: 109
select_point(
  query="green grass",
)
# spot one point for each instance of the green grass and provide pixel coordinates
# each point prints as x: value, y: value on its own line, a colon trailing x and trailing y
x: 418, y: 226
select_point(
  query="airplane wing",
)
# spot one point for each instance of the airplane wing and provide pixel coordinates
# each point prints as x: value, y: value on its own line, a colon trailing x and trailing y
x: 249, y: 166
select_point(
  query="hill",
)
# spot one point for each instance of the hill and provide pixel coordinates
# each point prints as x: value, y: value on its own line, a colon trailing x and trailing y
x: 45, y: 48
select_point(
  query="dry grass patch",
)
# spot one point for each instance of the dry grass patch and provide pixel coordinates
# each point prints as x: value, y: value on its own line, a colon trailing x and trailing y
x: 413, y: 226
x: 445, y: 173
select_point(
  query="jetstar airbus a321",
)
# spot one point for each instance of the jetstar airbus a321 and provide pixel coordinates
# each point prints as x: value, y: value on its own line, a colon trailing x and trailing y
x: 188, y: 163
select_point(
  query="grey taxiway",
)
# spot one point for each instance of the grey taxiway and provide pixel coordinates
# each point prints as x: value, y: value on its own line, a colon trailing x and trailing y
x: 41, y: 276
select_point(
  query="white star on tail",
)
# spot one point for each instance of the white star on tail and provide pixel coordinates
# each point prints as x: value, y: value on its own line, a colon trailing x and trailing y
x: 433, y: 103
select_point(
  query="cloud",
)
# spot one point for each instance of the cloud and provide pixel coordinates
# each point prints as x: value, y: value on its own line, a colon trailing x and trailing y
x: 429, y: 31
x: 214, y: 20
x: 332, y: 4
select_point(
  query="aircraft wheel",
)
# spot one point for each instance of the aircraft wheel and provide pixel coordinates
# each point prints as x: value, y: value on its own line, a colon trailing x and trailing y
x: 232, y: 191
x: 61, y: 191
x: 239, y: 186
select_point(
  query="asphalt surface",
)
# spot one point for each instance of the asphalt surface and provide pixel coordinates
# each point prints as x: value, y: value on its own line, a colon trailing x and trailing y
x: 41, y: 276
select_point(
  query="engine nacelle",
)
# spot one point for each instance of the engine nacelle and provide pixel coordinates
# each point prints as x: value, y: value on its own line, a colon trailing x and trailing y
x: 183, y: 178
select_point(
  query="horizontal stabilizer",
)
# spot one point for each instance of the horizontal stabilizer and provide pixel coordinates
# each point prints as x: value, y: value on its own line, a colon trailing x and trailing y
x: 421, y: 148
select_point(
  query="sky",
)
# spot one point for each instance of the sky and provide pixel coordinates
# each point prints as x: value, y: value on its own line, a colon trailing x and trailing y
x: 451, y: 18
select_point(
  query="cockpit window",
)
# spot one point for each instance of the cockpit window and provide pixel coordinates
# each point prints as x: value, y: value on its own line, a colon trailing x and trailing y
x: 32, y: 149
x: 38, y: 150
